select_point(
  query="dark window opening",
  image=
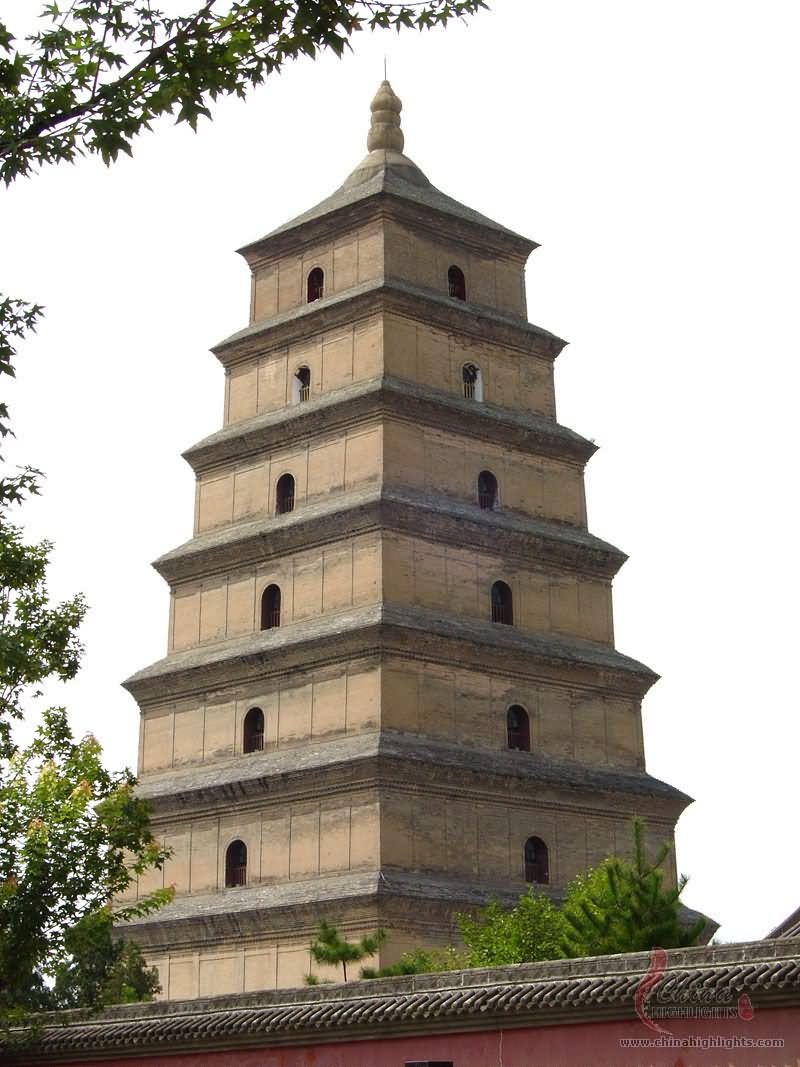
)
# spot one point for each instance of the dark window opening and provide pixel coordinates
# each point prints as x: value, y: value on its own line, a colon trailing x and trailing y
x: 456, y: 283
x: 302, y: 384
x: 254, y: 730
x: 502, y: 605
x: 271, y: 608
x: 537, y: 867
x: 471, y: 380
x: 284, y: 495
x: 236, y: 864
x: 316, y: 285
x: 518, y: 728
x: 487, y: 490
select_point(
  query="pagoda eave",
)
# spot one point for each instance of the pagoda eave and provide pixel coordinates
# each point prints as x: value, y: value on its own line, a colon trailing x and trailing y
x: 387, y: 294
x: 409, y: 632
x: 403, y: 761
x: 397, y: 509
x: 390, y: 398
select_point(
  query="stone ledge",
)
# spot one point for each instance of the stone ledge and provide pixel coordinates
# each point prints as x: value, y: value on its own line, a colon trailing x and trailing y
x: 258, y: 773
x: 430, y: 516
x: 526, y: 995
x: 390, y: 398
x: 379, y: 628
x: 387, y: 294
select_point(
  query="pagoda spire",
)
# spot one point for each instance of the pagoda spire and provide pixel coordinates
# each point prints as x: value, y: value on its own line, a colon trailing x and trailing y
x: 384, y: 132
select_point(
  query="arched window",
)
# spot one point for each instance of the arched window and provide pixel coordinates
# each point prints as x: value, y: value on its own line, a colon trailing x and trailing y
x: 502, y: 605
x: 456, y: 284
x: 301, y: 385
x: 316, y: 285
x: 253, y: 731
x: 487, y: 490
x: 472, y: 381
x: 537, y: 866
x: 518, y: 728
x: 236, y: 864
x: 284, y: 495
x: 271, y: 608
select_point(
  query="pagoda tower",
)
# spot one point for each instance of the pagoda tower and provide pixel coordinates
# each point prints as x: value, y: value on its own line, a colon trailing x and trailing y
x: 391, y: 689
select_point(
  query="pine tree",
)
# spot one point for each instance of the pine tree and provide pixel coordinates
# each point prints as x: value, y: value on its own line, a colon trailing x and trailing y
x: 331, y: 948
x: 623, y: 906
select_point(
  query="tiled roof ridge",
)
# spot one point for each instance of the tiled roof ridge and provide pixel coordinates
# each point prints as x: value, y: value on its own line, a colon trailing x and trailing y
x: 525, y: 995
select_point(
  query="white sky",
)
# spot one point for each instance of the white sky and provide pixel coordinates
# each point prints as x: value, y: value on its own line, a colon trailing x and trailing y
x: 652, y: 149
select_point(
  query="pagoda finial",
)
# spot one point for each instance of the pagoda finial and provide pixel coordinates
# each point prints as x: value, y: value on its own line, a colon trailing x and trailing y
x: 384, y: 131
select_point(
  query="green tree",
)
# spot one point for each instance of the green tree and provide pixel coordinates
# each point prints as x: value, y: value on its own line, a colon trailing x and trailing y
x: 100, y: 968
x: 623, y: 906
x: 420, y: 961
x: 100, y: 71
x: 38, y: 639
x: 73, y: 836
x: 331, y: 948
x: 531, y: 930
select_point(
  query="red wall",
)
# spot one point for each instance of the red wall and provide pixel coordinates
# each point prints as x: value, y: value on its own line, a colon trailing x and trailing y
x: 580, y: 1045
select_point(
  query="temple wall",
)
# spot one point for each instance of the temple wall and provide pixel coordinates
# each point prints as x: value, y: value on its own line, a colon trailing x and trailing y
x: 418, y: 256
x: 469, y: 708
x: 440, y: 461
x: 312, y: 583
x: 342, y: 461
x: 285, y: 842
x: 458, y: 581
x: 348, y: 260
x: 324, y: 704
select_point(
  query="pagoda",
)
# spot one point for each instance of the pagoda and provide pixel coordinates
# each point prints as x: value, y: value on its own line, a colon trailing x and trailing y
x: 391, y: 690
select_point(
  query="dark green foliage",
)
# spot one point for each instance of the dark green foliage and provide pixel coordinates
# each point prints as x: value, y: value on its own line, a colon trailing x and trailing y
x: 16, y: 319
x: 100, y: 71
x: 332, y: 949
x: 72, y: 837
x: 420, y: 961
x: 531, y: 930
x: 38, y: 639
x: 623, y: 906
x: 101, y: 969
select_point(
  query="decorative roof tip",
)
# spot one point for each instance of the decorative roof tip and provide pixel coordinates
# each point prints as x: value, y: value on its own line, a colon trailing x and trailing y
x: 384, y: 131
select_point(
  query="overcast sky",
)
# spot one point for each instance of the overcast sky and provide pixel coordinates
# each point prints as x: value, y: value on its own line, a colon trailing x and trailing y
x: 652, y: 149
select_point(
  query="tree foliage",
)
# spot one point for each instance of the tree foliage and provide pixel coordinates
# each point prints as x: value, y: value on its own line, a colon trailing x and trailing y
x: 73, y: 836
x: 17, y: 317
x: 101, y: 968
x: 531, y: 930
x: 100, y: 71
x: 38, y: 639
x: 420, y: 961
x: 623, y: 906
x: 619, y: 906
x: 331, y: 948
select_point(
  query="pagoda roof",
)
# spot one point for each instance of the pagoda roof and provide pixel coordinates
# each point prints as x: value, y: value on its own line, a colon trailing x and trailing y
x: 385, y: 171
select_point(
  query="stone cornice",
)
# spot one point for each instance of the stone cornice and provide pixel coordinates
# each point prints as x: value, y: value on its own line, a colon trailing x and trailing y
x: 395, y: 399
x: 424, y: 208
x: 484, y: 324
x: 564, y: 992
x: 397, y: 760
x: 428, y: 516
x: 412, y: 633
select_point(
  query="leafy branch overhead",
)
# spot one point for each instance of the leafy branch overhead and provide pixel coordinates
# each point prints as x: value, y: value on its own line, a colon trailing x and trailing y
x: 102, y: 70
